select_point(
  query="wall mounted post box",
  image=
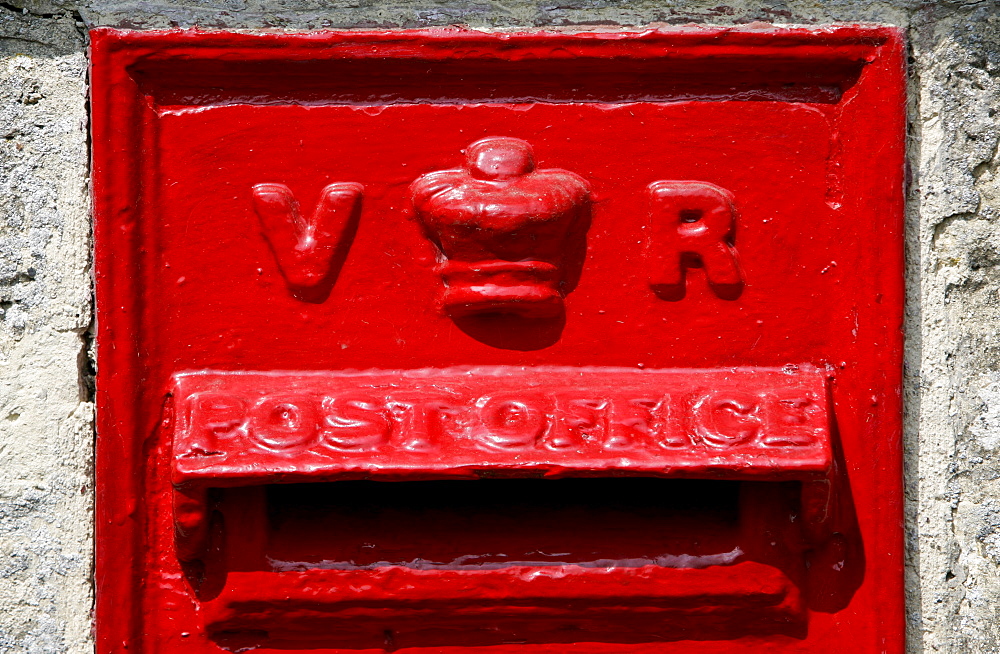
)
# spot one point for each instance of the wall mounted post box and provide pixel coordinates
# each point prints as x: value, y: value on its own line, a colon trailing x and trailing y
x: 446, y: 341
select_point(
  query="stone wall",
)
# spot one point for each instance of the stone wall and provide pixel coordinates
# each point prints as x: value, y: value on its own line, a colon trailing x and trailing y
x: 953, y: 377
x: 46, y: 418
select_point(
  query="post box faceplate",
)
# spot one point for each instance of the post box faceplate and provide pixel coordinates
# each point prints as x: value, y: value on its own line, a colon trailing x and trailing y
x: 445, y: 341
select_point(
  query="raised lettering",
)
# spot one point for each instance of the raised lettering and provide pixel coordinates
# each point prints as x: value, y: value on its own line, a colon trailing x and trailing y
x: 284, y: 423
x: 725, y: 420
x: 309, y: 252
x: 692, y: 225
x: 215, y: 417
x: 790, y: 421
x: 512, y: 422
x: 579, y: 420
x: 669, y: 427
x: 424, y: 423
x: 355, y: 422
x: 631, y: 423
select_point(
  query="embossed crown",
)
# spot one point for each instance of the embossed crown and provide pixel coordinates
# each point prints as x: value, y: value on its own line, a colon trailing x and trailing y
x: 510, y: 237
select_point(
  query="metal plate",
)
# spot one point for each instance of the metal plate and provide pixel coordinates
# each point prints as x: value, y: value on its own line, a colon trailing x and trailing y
x: 676, y: 253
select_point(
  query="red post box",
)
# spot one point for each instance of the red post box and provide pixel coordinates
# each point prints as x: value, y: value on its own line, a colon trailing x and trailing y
x: 447, y: 341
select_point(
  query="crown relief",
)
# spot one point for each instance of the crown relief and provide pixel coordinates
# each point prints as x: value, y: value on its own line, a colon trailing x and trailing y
x: 508, y: 234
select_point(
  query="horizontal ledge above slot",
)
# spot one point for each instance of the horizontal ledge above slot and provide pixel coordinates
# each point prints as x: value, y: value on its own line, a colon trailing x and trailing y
x: 245, y: 428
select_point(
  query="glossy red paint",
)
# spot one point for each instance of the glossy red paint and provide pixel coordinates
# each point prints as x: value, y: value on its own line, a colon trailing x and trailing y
x: 466, y: 422
x: 446, y: 341
x: 309, y: 252
x: 505, y: 232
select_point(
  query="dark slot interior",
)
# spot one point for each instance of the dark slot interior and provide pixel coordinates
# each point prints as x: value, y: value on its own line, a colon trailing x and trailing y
x: 498, y: 523
x: 371, y: 81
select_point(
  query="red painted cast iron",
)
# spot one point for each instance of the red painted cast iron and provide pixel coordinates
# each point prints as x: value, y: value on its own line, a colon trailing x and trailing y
x: 448, y: 341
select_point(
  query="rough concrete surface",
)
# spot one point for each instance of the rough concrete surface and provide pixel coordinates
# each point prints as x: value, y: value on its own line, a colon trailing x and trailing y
x: 953, y: 372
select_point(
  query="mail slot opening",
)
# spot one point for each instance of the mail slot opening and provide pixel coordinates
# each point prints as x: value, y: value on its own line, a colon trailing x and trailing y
x: 500, y: 523
x: 361, y: 564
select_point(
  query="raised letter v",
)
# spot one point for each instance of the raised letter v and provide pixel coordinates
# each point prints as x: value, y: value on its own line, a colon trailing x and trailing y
x: 309, y: 253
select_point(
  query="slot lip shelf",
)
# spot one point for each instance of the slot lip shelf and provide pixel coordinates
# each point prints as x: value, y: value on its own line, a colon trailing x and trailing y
x: 303, y: 605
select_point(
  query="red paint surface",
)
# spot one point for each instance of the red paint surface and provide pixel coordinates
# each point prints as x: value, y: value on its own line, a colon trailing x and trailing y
x: 798, y: 134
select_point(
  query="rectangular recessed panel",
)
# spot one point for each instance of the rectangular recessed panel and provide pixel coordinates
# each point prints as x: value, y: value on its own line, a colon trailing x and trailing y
x: 459, y: 81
